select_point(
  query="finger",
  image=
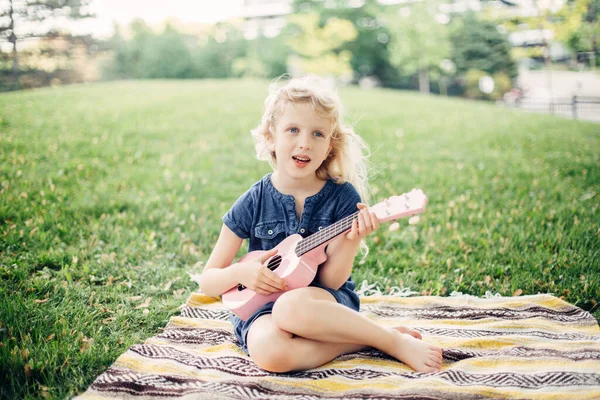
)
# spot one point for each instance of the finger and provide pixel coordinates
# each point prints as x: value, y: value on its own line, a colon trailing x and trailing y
x: 361, y: 225
x: 368, y: 223
x: 360, y: 206
x: 353, y: 231
x: 374, y: 221
x: 267, y: 255
x: 273, y: 279
x: 265, y: 289
x: 267, y: 286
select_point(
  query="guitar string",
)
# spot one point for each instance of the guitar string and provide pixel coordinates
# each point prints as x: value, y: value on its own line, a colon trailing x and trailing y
x: 315, y: 240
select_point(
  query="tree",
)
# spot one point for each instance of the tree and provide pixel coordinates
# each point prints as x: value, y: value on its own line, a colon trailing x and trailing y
x: 369, y: 50
x: 318, y: 46
x: 15, y: 14
x: 418, y: 42
x: 581, y: 26
x: 478, y: 45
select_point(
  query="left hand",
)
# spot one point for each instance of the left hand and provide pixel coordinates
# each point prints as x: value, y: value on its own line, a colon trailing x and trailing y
x: 364, y: 225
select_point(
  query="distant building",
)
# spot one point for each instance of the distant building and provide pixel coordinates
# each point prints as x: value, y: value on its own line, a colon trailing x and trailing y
x: 264, y: 16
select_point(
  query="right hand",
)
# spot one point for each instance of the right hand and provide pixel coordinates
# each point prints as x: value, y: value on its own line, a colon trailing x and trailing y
x: 255, y: 275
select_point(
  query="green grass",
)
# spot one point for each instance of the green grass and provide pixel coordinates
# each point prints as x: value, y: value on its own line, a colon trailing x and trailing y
x: 110, y: 194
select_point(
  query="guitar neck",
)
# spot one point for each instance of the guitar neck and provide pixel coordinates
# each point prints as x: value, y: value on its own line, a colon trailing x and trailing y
x: 325, y: 235
x: 392, y: 208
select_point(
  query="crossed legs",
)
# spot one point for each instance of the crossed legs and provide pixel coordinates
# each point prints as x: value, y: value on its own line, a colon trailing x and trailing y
x: 308, y: 328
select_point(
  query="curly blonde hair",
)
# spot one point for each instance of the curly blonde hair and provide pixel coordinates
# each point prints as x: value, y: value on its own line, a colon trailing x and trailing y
x: 347, y: 161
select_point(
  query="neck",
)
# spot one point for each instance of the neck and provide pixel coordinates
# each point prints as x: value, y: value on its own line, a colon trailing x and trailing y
x: 303, y: 187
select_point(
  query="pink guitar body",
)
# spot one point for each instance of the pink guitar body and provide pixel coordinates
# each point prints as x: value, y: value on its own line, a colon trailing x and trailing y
x: 296, y: 271
x: 298, y: 258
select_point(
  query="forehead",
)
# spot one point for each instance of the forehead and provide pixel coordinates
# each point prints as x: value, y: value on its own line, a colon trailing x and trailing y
x: 303, y: 113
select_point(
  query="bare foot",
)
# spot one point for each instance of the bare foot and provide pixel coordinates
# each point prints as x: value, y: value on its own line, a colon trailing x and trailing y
x: 417, y: 354
x: 408, y: 331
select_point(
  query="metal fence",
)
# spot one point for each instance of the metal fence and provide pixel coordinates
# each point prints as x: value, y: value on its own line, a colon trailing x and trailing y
x: 576, y: 107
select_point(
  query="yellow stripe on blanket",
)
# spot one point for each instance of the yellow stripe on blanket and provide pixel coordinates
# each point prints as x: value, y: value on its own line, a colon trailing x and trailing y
x: 534, y: 347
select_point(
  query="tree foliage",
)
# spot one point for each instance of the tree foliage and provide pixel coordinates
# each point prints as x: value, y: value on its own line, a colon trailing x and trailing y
x: 478, y: 45
x: 318, y: 46
x: 16, y: 16
x: 219, y: 52
x: 369, y: 55
x: 419, y: 43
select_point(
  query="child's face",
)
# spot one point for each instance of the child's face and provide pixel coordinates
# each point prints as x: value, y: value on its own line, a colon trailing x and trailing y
x: 302, y: 141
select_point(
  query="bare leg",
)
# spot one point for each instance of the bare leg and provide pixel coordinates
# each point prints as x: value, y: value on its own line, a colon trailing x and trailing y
x: 312, y: 313
x: 276, y: 350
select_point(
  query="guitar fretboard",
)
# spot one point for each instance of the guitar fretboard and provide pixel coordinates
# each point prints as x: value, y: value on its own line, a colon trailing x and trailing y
x: 325, y: 235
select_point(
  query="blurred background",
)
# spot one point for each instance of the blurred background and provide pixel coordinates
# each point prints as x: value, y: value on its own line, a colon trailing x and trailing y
x: 540, y: 55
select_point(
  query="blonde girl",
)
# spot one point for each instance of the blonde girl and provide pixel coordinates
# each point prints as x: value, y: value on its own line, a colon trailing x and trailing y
x: 319, y: 177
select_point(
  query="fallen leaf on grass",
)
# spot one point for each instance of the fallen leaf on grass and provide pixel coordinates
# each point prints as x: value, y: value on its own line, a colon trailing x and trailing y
x: 41, y: 301
x: 49, y: 338
x: 145, y: 304
x: 86, y: 344
x: 517, y: 292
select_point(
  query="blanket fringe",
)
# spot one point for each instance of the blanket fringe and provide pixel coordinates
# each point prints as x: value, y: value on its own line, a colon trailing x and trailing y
x: 375, y: 289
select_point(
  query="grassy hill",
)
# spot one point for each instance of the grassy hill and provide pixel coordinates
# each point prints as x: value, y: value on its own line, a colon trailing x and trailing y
x: 110, y: 194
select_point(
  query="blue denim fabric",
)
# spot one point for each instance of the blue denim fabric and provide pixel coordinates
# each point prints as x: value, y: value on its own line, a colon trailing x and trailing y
x: 266, y: 217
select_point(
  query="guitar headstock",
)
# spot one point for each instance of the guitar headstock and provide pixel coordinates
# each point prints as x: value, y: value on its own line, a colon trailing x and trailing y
x: 395, y: 207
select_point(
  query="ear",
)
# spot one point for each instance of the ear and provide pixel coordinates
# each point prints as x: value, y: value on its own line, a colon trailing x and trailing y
x: 329, y: 151
x: 270, y: 138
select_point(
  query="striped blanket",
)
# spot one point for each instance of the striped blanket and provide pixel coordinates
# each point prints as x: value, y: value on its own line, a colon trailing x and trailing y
x: 533, y: 347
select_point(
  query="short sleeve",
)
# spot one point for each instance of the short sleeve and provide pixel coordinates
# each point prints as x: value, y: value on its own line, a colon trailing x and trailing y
x: 239, y: 217
x: 349, y: 197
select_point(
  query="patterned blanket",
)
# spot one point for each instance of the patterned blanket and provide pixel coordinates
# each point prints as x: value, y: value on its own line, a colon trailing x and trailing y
x: 529, y: 347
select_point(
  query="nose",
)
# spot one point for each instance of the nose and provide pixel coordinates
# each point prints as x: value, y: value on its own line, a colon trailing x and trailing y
x: 304, y: 141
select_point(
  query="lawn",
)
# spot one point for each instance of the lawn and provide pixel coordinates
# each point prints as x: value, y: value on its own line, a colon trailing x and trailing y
x: 110, y: 194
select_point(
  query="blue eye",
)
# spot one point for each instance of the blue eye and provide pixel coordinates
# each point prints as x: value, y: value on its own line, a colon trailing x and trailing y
x: 293, y: 130
x: 318, y: 134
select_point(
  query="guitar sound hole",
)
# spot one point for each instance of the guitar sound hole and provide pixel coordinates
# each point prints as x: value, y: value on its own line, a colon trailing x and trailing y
x: 274, y: 262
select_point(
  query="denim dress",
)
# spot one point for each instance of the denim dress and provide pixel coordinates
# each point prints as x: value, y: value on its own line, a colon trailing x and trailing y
x: 265, y: 217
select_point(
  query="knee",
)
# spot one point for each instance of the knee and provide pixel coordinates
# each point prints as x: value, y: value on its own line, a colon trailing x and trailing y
x: 272, y: 357
x: 291, y: 310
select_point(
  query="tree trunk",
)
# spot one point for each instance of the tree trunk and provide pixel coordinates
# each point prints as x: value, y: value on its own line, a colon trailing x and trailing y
x: 424, y: 80
x: 594, y: 52
x: 13, y: 39
x: 15, y: 65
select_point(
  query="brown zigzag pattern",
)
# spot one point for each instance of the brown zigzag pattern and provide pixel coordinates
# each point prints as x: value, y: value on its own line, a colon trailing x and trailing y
x: 115, y: 380
x: 199, y: 313
x: 475, y: 333
x: 210, y: 337
x: 469, y: 313
x: 245, y: 367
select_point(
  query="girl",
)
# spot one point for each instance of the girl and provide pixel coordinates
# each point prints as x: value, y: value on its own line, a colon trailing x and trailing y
x: 319, y: 171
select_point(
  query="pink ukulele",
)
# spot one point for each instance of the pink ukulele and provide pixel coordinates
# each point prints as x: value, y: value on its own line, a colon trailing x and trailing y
x: 297, y: 259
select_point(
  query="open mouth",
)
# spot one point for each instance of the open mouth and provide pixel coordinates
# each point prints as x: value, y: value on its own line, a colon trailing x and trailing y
x: 301, y: 160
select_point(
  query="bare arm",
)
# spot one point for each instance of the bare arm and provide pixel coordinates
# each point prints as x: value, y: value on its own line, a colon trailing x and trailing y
x: 219, y: 275
x: 215, y: 278
x: 341, y: 252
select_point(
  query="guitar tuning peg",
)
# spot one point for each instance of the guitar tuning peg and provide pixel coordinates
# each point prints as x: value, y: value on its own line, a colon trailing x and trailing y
x: 394, y: 227
x: 414, y: 220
